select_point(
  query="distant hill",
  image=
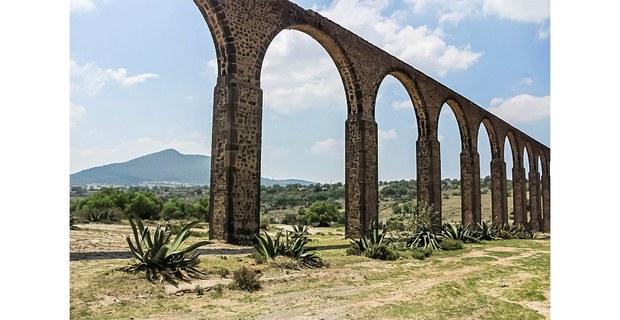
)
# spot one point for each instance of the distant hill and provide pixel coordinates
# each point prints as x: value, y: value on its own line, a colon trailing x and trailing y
x: 167, y: 166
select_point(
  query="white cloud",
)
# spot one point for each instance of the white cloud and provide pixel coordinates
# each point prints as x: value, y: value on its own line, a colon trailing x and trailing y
x: 298, y: 73
x: 422, y: 47
x: 448, y: 11
x: 210, y: 68
x: 89, y: 79
x: 523, y: 108
x: 405, y: 104
x: 543, y: 33
x: 527, y: 81
x: 81, y: 5
x: 453, y: 11
x: 76, y: 113
x: 84, y: 158
x: 387, y: 135
x: 535, y: 11
x: 329, y: 146
x: 274, y: 152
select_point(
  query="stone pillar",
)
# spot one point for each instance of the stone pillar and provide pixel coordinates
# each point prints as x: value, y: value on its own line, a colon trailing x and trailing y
x: 468, y: 186
x: 361, y: 174
x: 535, y: 214
x: 428, y: 182
x: 518, y: 195
x: 476, y: 196
x: 499, y: 203
x: 546, y: 203
x: 235, y: 160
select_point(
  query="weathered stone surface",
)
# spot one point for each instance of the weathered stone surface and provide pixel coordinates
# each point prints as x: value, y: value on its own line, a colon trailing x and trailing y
x: 242, y: 31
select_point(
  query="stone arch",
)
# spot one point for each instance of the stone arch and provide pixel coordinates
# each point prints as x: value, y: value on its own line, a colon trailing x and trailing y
x: 490, y: 209
x: 333, y: 49
x: 461, y: 119
x: 220, y: 34
x: 496, y: 151
x: 514, y: 147
x: 531, y: 157
x: 396, y: 86
x: 242, y: 30
x: 411, y: 87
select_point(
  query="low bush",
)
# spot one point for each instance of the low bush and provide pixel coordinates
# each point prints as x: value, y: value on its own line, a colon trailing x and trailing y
x: 245, y: 279
x: 418, y: 254
x: 422, y: 253
x: 381, y: 252
x: 353, y: 250
x: 505, y: 234
x: 451, y: 244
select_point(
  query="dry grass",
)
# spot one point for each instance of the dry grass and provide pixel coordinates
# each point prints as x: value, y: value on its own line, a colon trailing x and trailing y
x: 494, y: 280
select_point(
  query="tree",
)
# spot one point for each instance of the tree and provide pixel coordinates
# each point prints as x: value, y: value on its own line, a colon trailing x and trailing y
x: 145, y: 205
x: 322, y: 213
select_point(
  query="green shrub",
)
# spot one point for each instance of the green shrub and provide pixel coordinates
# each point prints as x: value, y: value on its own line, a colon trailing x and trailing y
x: 220, y: 271
x: 418, y: 253
x: 381, y: 252
x: 505, y: 234
x: 428, y: 251
x: 259, y: 258
x: 353, y: 250
x: 245, y: 279
x: 217, y: 290
x: 410, y: 218
x: 451, y: 244
x: 291, y: 219
x: 199, y: 290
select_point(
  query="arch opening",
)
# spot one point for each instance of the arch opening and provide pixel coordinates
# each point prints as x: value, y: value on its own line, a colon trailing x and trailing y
x: 397, y: 136
x: 304, y: 110
x: 509, y: 159
x: 450, y: 135
x: 485, y: 152
x: 527, y: 166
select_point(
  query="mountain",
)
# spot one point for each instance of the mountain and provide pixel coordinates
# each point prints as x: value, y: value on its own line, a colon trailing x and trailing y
x: 169, y: 166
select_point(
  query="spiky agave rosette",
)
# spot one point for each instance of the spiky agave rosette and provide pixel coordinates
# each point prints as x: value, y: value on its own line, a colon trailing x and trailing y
x: 160, y: 259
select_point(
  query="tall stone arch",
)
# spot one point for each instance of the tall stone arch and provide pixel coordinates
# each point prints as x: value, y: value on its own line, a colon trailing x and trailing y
x: 242, y: 31
x: 498, y: 173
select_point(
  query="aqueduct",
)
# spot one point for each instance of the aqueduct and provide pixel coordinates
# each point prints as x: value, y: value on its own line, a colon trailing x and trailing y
x: 242, y: 30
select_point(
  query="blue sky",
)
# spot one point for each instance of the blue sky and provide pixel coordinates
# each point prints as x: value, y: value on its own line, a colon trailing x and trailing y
x: 143, y: 73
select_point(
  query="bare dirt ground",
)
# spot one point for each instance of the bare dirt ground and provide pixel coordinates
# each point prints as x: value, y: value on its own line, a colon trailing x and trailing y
x: 444, y: 286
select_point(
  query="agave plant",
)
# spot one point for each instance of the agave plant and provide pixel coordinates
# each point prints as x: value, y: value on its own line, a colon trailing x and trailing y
x: 517, y: 231
x: 371, y: 238
x: 425, y: 238
x: 486, y: 232
x: 300, y: 230
x: 293, y: 247
x: 458, y: 232
x: 267, y: 246
x: 162, y: 259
